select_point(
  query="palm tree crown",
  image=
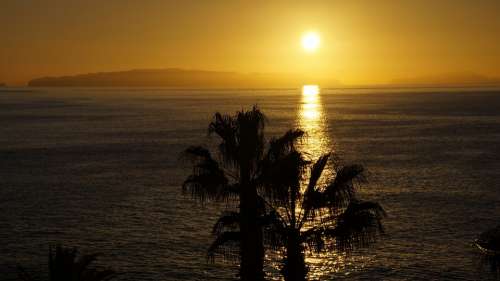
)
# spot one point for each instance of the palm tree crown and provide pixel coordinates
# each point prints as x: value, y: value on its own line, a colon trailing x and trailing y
x: 268, y: 180
x: 317, y: 216
x: 234, y: 177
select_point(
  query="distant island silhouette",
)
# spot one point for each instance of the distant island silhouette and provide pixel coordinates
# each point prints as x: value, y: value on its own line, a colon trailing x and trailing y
x: 458, y: 79
x: 198, y: 79
x: 176, y: 78
x: 3, y: 85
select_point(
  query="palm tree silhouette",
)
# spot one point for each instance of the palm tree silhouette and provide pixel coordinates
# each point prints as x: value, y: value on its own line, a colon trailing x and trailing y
x: 267, y: 182
x: 65, y: 265
x: 234, y: 177
x: 318, y: 216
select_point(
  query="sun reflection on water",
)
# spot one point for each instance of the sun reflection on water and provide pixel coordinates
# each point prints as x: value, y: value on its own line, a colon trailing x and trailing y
x: 312, y: 120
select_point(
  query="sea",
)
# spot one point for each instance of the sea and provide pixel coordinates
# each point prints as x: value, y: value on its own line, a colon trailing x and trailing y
x: 100, y: 169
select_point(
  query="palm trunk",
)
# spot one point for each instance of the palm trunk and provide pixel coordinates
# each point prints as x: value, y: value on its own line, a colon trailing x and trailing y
x: 295, y: 267
x: 251, y: 249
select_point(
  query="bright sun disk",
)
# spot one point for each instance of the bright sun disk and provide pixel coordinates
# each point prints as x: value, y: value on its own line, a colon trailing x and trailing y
x: 310, y: 41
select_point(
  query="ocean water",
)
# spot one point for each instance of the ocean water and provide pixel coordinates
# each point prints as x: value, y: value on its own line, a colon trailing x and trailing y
x: 99, y: 169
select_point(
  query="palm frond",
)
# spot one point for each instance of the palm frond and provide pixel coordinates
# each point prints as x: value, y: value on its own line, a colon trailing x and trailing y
x: 358, y: 225
x: 225, y: 126
x: 225, y: 244
x: 207, y: 181
x: 317, y: 170
x: 283, y: 167
x: 312, y: 197
x: 228, y: 220
x: 341, y: 191
x: 242, y: 137
x: 253, y: 120
x: 280, y: 146
x: 194, y: 153
x: 282, y: 177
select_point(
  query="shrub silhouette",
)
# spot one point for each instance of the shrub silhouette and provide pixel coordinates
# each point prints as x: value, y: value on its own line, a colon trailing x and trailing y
x: 66, y: 265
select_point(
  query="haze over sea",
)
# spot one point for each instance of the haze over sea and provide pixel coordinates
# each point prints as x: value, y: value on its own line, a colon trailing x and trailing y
x: 99, y: 169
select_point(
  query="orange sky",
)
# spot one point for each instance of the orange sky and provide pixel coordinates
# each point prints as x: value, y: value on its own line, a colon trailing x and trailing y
x: 363, y: 42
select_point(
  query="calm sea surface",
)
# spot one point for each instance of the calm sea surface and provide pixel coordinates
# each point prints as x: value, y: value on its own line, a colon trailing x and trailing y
x: 99, y: 169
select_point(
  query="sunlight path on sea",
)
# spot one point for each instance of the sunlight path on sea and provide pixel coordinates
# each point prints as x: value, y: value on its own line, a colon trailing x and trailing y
x: 312, y: 120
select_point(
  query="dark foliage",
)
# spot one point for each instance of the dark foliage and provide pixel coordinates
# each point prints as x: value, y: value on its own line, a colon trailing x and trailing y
x: 284, y: 200
x: 234, y: 177
x: 66, y: 265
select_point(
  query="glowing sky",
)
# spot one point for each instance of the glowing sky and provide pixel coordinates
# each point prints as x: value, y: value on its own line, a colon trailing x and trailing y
x: 362, y: 42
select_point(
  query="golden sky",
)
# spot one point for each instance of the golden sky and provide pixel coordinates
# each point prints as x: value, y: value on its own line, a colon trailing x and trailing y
x: 362, y: 42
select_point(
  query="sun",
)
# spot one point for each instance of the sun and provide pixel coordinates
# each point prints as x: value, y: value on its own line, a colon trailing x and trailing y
x: 310, y: 41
